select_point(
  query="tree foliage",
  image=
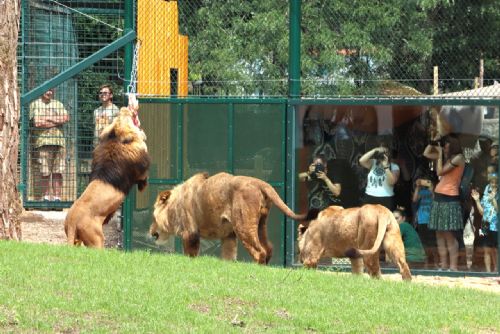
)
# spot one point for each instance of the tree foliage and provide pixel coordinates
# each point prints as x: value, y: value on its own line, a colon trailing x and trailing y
x: 348, y: 47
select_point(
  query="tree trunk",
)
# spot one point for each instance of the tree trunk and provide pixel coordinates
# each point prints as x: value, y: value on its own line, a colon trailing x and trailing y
x: 10, y: 203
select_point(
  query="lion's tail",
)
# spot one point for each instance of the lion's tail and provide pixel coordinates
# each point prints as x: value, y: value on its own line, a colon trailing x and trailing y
x: 269, y: 191
x: 383, y: 221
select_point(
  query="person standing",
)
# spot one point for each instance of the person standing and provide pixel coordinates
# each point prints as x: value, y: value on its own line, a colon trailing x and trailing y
x: 446, y: 211
x: 422, y: 199
x: 480, y: 161
x: 382, y: 177
x: 322, y: 191
x: 488, y: 207
x: 104, y: 115
x: 48, y: 116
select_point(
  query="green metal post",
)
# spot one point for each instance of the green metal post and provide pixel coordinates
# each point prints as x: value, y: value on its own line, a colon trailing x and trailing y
x: 290, y: 189
x: 293, y: 92
x: 129, y: 50
x: 180, y: 161
x: 77, y: 68
x: 230, y: 146
x: 24, y: 110
x: 294, y: 49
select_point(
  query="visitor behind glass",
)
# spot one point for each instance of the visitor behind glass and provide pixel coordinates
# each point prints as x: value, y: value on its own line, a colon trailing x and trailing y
x: 382, y: 177
x: 322, y: 191
x: 422, y: 199
x: 446, y: 210
x: 414, y: 251
x: 488, y: 207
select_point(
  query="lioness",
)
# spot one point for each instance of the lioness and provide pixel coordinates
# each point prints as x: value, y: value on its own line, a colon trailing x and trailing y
x: 222, y: 206
x: 119, y: 161
x: 356, y: 233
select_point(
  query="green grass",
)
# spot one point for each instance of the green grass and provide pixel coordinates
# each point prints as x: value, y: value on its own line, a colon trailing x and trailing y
x: 47, y: 289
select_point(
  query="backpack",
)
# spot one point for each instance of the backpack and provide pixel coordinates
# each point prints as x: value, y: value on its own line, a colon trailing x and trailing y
x: 465, y: 182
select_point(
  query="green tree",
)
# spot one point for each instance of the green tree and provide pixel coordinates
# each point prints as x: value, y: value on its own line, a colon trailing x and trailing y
x: 348, y: 47
x: 465, y: 31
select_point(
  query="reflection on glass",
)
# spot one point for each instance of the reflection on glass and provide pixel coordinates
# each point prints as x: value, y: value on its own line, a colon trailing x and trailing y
x: 425, y: 162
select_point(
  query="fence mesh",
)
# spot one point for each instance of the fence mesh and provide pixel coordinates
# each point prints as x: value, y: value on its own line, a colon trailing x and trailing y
x: 62, y: 124
x: 198, y: 48
x: 362, y: 48
x: 400, y: 48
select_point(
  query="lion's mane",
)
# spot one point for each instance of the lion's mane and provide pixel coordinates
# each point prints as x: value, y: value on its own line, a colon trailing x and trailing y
x: 121, y: 158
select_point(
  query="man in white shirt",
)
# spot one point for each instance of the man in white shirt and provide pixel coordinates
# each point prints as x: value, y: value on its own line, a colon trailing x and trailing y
x: 104, y: 115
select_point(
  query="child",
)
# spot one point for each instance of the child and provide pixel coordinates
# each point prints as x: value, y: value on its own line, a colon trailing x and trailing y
x: 422, y: 199
x: 488, y: 207
x: 414, y: 250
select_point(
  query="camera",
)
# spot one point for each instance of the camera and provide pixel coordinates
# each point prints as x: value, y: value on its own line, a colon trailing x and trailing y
x: 378, y: 155
x: 317, y: 168
x: 434, y: 143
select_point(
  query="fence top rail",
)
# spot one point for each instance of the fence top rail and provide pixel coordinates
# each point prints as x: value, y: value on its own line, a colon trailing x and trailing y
x: 334, y: 101
x: 216, y: 100
x: 398, y: 101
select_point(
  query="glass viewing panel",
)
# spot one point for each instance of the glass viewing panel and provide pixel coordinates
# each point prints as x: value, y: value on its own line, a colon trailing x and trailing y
x: 460, y: 233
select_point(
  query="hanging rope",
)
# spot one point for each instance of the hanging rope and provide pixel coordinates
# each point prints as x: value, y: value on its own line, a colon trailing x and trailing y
x: 132, y: 87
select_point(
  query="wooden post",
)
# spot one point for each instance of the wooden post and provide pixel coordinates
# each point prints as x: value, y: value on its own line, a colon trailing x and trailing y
x: 436, y: 81
x: 481, y: 72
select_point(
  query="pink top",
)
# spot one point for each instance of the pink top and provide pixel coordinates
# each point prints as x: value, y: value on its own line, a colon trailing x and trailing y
x: 449, y: 183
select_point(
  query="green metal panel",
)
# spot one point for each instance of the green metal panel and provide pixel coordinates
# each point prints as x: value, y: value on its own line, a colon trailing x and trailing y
x: 246, y: 137
x: 206, y: 129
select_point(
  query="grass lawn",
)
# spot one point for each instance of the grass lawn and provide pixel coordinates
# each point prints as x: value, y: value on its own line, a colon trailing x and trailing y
x: 60, y: 289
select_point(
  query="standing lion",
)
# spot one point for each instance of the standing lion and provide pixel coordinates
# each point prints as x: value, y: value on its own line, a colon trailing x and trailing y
x: 222, y: 206
x: 119, y: 161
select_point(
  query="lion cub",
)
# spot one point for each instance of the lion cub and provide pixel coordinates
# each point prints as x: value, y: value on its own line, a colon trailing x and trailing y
x: 357, y: 233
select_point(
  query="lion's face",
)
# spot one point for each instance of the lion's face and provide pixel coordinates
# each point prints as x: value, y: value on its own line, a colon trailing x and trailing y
x: 158, y: 234
x: 159, y: 230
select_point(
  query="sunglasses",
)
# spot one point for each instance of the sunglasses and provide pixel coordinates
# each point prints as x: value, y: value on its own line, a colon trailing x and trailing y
x: 104, y: 93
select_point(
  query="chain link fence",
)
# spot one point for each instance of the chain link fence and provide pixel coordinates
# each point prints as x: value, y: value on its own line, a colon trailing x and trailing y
x: 61, y: 124
x: 348, y: 49
x: 197, y: 48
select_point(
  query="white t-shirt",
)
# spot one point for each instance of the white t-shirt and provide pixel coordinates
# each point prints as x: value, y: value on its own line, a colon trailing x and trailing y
x: 377, y: 184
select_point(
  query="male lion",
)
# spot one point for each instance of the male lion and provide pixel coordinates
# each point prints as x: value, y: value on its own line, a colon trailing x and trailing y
x: 222, y: 206
x: 339, y: 232
x: 119, y: 161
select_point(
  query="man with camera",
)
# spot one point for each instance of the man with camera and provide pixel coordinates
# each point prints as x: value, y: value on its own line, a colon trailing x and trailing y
x: 381, y: 178
x: 322, y: 191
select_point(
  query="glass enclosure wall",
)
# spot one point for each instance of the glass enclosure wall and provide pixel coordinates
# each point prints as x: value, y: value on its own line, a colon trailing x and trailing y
x: 461, y: 184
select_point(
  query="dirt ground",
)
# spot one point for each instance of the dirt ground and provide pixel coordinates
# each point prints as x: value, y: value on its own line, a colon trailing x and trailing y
x: 48, y: 227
